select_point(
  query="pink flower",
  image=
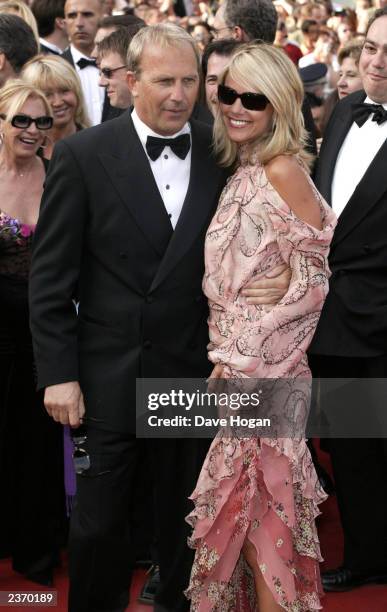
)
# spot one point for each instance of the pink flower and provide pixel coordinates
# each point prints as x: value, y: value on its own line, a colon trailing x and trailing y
x: 25, y: 230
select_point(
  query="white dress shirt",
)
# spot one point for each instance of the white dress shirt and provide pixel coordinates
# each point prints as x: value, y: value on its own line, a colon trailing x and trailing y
x: 51, y: 46
x: 171, y: 173
x: 94, y: 94
x: 356, y: 154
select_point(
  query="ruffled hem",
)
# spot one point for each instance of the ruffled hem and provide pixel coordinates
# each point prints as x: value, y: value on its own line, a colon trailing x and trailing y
x: 266, y: 490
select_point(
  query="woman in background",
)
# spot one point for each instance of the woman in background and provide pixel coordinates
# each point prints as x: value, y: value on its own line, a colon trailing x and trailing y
x: 31, y: 465
x: 60, y: 83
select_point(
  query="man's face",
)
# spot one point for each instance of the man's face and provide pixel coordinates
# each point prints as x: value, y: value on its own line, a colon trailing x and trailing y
x: 116, y: 84
x: 373, y: 61
x: 166, y: 88
x: 100, y: 35
x: 215, y: 66
x: 82, y: 18
x: 219, y: 27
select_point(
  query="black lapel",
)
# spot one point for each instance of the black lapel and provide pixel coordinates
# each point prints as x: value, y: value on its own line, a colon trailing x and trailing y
x: 332, y: 142
x: 206, y: 180
x: 129, y: 170
x: 367, y: 193
x: 68, y: 56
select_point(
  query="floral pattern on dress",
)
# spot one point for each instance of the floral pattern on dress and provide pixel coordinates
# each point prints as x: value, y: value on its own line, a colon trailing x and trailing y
x: 265, y: 490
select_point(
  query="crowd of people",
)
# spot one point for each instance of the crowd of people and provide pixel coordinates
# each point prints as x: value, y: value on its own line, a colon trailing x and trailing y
x: 158, y: 219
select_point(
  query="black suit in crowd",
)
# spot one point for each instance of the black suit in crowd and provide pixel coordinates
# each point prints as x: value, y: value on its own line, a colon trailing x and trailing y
x: 104, y: 235
x: 351, y: 341
x: 47, y: 50
x: 108, y: 111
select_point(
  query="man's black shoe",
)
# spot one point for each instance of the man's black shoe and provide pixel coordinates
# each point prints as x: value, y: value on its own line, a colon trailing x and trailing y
x: 343, y: 579
x: 149, y: 590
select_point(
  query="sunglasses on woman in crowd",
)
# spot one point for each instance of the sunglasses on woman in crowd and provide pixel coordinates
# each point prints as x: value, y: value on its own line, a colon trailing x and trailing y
x: 250, y: 101
x: 24, y: 121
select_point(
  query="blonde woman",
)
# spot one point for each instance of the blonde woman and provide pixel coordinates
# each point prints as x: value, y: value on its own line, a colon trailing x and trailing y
x: 30, y: 442
x: 61, y: 86
x: 257, y: 498
x: 21, y: 9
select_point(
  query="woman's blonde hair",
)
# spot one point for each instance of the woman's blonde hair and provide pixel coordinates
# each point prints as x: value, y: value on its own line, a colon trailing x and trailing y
x: 22, y: 10
x: 15, y: 94
x: 262, y: 68
x: 52, y: 72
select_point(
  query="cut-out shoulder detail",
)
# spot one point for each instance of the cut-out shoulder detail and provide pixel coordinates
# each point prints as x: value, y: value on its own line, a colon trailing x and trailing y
x: 287, y: 176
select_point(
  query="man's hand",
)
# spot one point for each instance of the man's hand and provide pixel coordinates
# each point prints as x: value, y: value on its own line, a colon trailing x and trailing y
x: 64, y: 403
x: 270, y: 289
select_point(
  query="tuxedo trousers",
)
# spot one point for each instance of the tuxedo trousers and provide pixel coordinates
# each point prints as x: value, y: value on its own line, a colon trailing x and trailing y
x: 101, y: 552
x: 360, y: 471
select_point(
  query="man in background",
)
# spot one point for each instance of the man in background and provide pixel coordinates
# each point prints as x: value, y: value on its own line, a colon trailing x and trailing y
x: 49, y: 15
x: 82, y: 18
x: 17, y: 46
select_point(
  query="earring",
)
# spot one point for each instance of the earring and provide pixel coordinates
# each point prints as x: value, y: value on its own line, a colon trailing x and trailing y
x: 46, y: 142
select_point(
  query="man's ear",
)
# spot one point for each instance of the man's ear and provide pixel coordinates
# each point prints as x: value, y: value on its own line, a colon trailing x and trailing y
x: 131, y: 80
x: 239, y: 34
x: 60, y: 23
x: 3, y: 60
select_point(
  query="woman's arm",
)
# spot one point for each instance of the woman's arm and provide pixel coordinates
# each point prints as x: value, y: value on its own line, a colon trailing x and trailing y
x: 290, y: 181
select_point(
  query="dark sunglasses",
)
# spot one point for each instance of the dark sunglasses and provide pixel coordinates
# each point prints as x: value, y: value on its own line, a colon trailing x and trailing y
x: 81, y: 457
x: 108, y: 72
x: 250, y: 101
x: 24, y: 121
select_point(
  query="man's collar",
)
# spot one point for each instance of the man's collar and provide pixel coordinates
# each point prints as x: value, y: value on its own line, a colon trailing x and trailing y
x: 144, y: 131
x: 50, y: 46
x: 368, y: 100
x: 77, y: 55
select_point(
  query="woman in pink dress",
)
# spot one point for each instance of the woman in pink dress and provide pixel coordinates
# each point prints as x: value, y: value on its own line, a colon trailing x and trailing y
x: 257, y: 498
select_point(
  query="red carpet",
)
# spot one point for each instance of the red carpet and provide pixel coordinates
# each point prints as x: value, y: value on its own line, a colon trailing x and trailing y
x: 364, y: 599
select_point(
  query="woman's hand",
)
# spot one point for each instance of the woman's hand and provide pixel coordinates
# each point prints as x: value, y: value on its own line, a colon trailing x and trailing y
x: 217, y: 372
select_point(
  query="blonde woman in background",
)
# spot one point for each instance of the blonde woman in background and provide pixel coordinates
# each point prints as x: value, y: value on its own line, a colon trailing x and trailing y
x: 60, y: 83
x: 31, y: 455
x: 20, y: 8
x: 257, y: 498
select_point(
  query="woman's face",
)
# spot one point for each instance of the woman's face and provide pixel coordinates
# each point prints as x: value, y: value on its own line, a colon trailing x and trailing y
x: 244, y: 126
x: 349, y: 78
x: 64, y: 105
x: 23, y: 143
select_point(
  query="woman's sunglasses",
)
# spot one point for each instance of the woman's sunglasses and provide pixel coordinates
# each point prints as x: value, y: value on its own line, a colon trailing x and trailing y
x: 250, y: 101
x: 24, y: 121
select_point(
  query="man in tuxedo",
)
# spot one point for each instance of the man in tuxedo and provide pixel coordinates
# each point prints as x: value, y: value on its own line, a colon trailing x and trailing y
x: 122, y: 226
x: 82, y: 17
x: 49, y: 15
x: 351, y: 337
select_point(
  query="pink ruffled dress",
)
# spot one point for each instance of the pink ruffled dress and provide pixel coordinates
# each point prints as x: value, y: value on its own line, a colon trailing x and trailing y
x: 262, y: 489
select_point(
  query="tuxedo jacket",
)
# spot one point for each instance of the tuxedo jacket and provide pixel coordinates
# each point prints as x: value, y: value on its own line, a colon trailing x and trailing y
x: 353, y: 321
x: 47, y: 51
x: 104, y: 235
x: 108, y: 111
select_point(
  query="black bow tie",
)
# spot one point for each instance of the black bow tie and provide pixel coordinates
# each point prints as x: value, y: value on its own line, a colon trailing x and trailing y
x: 83, y: 62
x: 179, y: 145
x: 362, y: 111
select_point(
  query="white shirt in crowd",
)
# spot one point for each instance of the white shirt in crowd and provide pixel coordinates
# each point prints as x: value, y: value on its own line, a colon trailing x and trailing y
x: 51, y: 46
x: 171, y: 173
x: 93, y: 93
x: 356, y: 154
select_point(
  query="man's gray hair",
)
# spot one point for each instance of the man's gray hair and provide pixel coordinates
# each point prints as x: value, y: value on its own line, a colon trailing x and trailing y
x: 257, y: 18
x: 160, y: 35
